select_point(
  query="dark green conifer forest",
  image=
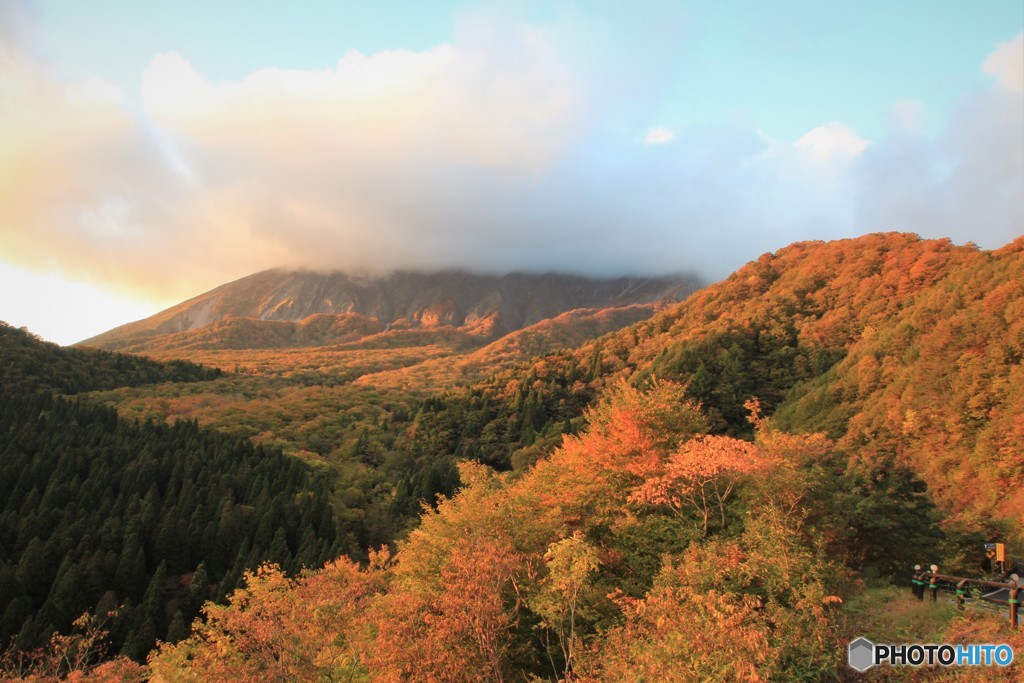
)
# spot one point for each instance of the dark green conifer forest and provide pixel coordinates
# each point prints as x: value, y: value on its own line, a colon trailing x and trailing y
x: 140, y: 520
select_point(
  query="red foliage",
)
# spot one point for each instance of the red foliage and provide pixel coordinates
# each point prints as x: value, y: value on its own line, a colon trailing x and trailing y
x: 700, y: 475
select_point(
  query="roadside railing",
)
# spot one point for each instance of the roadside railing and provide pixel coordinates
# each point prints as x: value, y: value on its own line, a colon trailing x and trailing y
x: 929, y: 581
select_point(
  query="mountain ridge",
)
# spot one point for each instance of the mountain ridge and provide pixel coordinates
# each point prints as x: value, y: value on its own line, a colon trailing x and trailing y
x: 486, y: 306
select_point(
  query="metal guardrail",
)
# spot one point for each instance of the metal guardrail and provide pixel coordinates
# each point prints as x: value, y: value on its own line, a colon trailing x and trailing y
x: 931, y: 579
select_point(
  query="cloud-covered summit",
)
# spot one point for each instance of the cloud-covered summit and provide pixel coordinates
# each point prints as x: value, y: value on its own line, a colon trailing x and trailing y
x: 502, y: 150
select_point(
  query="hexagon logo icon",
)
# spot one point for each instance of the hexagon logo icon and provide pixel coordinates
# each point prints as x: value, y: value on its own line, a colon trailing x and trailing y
x: 862, y: 654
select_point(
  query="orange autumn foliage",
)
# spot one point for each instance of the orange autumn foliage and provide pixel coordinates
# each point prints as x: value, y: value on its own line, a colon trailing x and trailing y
x: 455, y: 590
x: 754, y: 609
x: 457, y: 632
x: 76, y: 657
x: 631, y: 434
x: 278, y: 628
x: 508, y: 577
x: 701, y: 475
x: 936, y: 381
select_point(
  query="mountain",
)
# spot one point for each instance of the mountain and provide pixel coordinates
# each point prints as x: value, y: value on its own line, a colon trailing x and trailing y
x: 567, y: 330
x: 904, y: 350
x: 859, y: 401
x: 897, y: 347
x: 893, y: 345
x: 663, y: 525
x: 281, y: 308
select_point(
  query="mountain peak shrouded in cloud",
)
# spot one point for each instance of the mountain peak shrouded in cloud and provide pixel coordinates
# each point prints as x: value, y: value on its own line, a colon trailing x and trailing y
x: 513, y: 144
x: 482, y: 306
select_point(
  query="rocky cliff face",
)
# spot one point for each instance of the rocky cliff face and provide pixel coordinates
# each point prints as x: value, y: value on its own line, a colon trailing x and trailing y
x: 483, y: 305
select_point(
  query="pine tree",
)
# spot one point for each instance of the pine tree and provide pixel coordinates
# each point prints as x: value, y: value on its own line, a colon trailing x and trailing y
x: 154, y: 603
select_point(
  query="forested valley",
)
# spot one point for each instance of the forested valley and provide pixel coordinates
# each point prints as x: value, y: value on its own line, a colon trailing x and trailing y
x: 720, y: 492
x: 141, y: 520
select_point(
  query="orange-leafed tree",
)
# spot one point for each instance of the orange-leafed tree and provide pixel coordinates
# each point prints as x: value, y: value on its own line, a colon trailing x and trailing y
x: 630, y: 435
x: 456, y: 630
x: 276, y: 628
x: 77, y: 656
x: 801, y: 466
x: 700, y: 476
x: 753, y: 608
x: 455, y: 594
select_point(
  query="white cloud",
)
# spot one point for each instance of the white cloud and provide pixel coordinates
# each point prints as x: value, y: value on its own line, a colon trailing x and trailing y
x: 907, y: 116
x: 375, y: 163
x: 1006, y: 64
x: 495, y: 152
x: 172, y: 87
x: 659, y: 135
x: 69, y: 154
x: 832, y: 141
x: 964, y: 183
x: 17, y: 24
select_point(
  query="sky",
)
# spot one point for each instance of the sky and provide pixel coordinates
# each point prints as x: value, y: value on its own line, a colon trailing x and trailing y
x: 150, y: 151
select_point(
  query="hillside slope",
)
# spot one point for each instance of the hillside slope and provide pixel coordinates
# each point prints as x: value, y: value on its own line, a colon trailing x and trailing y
x: 343, y: 305
x: 30, y: 364
x: 97, y: 510
x: 927, y: 340
x: 940, y: 386
x: 897, y: 346
x: 891, y: 370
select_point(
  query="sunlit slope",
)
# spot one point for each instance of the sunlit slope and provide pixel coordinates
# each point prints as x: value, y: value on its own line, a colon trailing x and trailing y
x: 940, y: 386
x: 899, y: 347
x: 334, y: 307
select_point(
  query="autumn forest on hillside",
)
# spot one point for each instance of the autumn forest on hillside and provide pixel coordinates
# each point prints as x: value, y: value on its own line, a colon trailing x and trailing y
x: 731, y: 487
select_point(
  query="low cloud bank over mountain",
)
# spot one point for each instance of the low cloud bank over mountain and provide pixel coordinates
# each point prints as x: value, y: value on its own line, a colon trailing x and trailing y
x: 501, y: 151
